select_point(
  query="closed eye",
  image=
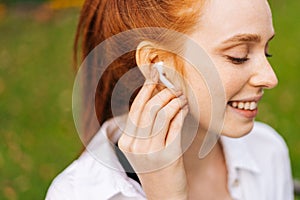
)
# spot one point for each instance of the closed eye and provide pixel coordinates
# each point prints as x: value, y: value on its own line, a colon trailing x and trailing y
x: 237, y: 61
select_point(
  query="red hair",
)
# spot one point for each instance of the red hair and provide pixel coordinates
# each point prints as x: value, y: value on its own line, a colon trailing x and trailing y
x: 102, y: 19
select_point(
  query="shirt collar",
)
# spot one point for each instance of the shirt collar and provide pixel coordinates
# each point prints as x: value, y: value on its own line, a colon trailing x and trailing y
x: 237, y: 155
x: 102, y: 149
x: 236, y: 151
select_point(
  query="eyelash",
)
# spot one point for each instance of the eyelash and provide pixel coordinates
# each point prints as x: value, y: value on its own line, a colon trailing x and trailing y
x: 239, y: 61
x: 268, y: 55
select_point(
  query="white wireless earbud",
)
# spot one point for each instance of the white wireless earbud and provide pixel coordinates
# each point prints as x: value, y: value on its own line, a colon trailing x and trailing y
x: 162, y: 77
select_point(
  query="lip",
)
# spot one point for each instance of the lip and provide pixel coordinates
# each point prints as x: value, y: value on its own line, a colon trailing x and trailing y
x: 250, y: 99
x: 249, y: 114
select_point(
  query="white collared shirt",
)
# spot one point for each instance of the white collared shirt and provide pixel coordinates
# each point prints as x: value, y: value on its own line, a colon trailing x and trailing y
x: 258, y: 169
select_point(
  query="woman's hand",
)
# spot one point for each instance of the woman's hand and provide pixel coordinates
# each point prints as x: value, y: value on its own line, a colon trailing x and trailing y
x: 151, y: 141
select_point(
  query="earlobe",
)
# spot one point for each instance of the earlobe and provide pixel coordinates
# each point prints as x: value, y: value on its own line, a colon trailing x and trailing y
x: 145, y: 56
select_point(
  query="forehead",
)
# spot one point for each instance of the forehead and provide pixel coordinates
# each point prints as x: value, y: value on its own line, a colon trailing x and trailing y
x: 223, y: 19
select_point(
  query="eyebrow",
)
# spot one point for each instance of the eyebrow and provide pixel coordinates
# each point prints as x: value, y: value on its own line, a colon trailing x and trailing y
x: 243, y: 38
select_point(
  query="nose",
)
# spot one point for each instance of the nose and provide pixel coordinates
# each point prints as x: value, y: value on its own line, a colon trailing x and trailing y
x: 264, y: 76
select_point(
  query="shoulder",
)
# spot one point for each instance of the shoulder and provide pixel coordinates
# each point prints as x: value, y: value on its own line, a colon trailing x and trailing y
x: 62, y: 187
x: 96, y: 174
x: 85, y: 178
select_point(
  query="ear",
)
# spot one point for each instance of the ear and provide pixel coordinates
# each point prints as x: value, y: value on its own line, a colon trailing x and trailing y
x: 145, y: 56
x: 148, y: 53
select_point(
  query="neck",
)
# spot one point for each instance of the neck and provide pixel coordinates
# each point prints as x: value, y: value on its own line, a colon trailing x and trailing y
x: 192, y: 161
x: 208, y: 174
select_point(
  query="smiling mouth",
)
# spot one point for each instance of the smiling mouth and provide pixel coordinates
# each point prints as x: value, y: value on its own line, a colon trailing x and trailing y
x: 241, y: 105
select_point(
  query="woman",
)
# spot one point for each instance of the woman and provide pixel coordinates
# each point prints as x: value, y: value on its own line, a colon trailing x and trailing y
x: 249, y: 161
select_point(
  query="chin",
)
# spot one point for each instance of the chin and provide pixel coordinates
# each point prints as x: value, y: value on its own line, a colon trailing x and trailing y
x: 237, y: 130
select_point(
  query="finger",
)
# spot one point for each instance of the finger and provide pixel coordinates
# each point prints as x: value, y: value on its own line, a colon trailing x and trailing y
x: 151, y: 109
x: 125, y: 143
x: 139, y: 102
x: 163, y: 119
x: 163, y: 97
x: 130, y: 144
x: 175, y: 127
x: 146, y: 91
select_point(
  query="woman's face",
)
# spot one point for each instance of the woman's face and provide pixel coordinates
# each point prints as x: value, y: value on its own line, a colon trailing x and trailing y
x: 235, y: 34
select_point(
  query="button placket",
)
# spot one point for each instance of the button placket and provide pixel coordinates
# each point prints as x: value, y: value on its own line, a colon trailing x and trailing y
x: 236, y: 186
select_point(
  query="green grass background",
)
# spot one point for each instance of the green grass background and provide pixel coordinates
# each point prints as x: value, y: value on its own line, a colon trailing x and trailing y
x: 38, y: 138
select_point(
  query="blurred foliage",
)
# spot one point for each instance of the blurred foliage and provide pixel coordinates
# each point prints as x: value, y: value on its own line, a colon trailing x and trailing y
x: 279, y: 107
x: 14, y: 2
x: 56, y: 4
x: 60, y: 4
x: 36, y: 77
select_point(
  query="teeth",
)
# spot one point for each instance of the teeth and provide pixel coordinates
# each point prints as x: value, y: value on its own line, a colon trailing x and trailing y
x: 247, y: 106
x: 253, y: 105
x: 235, y: 104
x: 244, y: 105
x: 241, y: 105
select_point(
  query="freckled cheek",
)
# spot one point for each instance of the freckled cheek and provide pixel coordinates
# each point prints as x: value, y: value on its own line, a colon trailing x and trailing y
x: 198, y: 96
x: 233, y: 81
